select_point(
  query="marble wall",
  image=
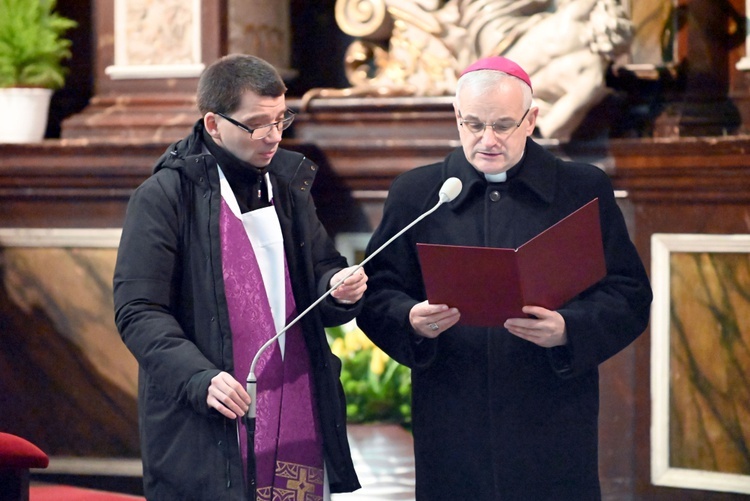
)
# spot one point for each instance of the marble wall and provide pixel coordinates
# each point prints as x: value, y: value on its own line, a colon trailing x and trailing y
x: 67, y: 382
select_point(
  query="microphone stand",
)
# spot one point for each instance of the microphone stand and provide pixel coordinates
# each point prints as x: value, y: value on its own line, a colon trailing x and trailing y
x: 446, y: 195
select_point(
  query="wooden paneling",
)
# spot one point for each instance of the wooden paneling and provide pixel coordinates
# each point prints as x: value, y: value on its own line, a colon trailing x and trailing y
x: 71, y: 183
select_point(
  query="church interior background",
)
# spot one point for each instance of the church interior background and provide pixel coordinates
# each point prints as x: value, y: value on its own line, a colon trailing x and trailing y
x: 655, y: 92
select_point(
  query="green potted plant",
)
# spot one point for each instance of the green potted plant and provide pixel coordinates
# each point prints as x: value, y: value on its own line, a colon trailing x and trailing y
x: 32, y: 51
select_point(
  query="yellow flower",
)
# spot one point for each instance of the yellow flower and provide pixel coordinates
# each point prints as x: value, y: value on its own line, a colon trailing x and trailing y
x: 356, y: 340
x: 337, y: 347
x: 378, y: 359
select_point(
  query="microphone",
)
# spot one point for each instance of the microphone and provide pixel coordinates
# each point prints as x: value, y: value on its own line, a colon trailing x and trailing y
x: 448, y: 192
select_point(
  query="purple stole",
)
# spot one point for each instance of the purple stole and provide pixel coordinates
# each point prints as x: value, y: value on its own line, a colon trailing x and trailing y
x: 288, y: 444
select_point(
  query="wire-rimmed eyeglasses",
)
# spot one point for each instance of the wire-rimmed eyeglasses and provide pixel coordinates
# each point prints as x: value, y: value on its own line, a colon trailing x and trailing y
x: 503, y: 128
x: 263, y: 130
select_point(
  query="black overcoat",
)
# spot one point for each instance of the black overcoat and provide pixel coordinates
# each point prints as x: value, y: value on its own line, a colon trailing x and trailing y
x: 496, y: 417
x: 171, y: 311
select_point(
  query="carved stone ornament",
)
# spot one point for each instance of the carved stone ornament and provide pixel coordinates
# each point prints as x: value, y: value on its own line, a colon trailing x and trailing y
x: 419, y: 47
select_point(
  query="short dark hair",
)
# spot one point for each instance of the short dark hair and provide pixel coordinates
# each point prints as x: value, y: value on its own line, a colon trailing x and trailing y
x: 223, y: 83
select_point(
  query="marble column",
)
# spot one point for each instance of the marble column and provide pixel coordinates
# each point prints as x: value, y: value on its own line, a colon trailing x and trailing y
x: 261, y: 28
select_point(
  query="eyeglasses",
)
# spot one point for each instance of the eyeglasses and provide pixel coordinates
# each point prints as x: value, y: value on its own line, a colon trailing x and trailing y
x: 263, y: 130
x: 502, y: 128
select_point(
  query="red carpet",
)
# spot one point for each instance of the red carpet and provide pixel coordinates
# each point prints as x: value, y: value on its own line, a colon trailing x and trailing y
x: 67, y: 493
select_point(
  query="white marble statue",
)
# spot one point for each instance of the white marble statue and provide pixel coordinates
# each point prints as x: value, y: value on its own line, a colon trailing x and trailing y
x: 566, y: 47
x: 566, y: 54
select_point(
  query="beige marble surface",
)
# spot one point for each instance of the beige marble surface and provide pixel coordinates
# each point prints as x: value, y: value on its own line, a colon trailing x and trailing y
x: 384, y: 459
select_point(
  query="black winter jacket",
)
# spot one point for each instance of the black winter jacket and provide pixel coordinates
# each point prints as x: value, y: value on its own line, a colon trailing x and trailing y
x: 496, y: 417
x: 171, y: 311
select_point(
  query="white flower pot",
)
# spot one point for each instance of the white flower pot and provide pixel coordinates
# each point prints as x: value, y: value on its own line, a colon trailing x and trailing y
x: 25, y: 113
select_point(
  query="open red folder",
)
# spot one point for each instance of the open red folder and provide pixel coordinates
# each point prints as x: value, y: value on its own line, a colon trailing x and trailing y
x: 489, y: 285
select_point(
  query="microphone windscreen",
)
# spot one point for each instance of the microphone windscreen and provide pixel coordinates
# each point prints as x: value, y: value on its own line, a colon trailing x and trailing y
x: 450, y: 189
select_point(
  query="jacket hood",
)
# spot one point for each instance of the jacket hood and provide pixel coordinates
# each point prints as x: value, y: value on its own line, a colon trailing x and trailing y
x: 182, y: 153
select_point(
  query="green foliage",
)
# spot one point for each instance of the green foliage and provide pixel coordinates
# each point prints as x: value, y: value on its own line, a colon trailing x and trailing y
x: 32, y: 46
x: 377, y: 388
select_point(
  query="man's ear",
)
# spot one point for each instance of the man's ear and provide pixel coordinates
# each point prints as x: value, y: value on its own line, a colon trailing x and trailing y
x: 455, y: 113
x: 532, y: 116
x: 209, y: 122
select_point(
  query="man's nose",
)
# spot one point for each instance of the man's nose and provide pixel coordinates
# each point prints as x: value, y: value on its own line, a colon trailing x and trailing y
x: 275, y: 135
x: 488, y: 135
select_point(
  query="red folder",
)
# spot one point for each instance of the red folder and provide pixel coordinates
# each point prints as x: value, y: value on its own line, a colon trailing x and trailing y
x: 489, y: 285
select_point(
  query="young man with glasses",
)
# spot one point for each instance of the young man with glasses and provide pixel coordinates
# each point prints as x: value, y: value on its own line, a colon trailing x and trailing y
x: 509, y: 411
x: 221, y: 250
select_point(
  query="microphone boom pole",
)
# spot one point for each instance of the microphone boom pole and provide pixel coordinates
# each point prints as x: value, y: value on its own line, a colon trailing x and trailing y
x: 448, y: 191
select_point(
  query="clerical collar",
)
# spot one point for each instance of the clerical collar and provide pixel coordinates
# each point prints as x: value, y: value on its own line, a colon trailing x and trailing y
x: 506, y: 175
x: 496, y: 178
x: 247, y: 181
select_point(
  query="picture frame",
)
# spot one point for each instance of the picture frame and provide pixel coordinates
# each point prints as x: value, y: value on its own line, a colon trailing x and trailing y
x: 700, y: 332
